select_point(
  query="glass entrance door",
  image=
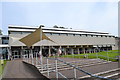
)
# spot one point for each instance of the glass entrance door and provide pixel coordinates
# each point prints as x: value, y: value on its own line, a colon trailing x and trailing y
x: 15, y: 54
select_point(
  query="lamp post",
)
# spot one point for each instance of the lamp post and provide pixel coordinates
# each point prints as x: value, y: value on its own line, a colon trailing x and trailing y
x: 56, y: 64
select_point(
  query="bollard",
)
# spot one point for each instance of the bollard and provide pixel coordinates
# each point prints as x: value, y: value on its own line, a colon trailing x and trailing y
x: 75, y: 74
x: 56, y: 69
x: 36, y: 58
x: 32, y: 60
x: 41, y: 63
x: 47, y: 68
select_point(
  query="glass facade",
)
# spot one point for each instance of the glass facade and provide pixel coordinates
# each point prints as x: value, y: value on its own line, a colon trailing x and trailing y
x: 3, y: 50
x: 5, y: 40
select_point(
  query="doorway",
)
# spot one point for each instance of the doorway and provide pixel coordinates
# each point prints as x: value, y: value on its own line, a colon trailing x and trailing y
x: 15, y: 54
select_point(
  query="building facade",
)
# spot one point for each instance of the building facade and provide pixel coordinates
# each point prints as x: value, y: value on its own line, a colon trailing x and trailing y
x: 4, y: 39
x: 68, y: 40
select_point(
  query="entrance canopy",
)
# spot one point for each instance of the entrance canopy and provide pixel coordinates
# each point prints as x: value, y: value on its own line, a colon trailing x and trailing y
x: 34, y: 37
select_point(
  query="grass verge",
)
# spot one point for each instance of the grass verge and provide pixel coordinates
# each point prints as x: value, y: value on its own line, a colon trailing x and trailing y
x: 102, y: 55
x: 2, y: 67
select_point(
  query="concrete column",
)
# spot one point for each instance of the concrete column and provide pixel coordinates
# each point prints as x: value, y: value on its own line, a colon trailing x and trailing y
x: 72, y: 51
x: 31, y: 55
x: 84, y: 50
x: 78, y: 50
x: 49, y: 51
x: 94, y: 51
x: 21, y: 52
x: 89, y: 50
x: 65, y: 51
x: 99, y: 49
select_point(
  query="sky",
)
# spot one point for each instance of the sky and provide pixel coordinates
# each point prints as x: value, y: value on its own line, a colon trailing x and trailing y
x: 90, y: 16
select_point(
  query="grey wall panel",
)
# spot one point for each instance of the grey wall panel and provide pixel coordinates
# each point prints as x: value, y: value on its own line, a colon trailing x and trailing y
x: 65, y: 40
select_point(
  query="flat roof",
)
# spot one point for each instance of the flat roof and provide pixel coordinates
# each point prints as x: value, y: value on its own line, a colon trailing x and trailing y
x: 33, y: 28
x: 4, y: 45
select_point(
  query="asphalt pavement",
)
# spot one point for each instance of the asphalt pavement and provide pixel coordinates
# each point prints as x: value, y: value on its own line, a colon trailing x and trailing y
x: 18, y: 70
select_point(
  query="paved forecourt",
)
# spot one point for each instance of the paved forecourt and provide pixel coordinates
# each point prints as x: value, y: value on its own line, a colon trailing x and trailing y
x: 16, y: 69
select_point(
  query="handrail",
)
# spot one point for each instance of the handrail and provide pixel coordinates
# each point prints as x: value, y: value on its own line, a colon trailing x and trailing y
x: 74, y: 67
x: 55, y: 71
x: 80, y: 69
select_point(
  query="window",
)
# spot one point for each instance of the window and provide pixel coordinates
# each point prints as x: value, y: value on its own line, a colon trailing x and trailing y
x: 77, y: 34
x: 15, y: 32
x: 70, y: 34
x: 47, y: 33
x: 105, y: 36
x: 4, y: 41
x: 26, y: 32
x: 89, y: 35
x: 99, y: 36
x: 83, y: 35
x: 55, y: 33
x: 63, y: 34
x: 94, y: 36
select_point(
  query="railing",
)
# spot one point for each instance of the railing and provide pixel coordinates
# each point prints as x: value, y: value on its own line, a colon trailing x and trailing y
x: 75, y: 68
x: 116, y: 58
x: 30, y: 60
x: 49, y: 70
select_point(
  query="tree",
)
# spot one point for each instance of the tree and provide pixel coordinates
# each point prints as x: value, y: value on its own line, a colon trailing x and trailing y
x: 55, y: 26
x: 42, y: 26
x: 0, y: 32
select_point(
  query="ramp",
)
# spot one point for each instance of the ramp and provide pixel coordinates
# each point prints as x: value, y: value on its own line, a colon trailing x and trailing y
x: 17, y: 69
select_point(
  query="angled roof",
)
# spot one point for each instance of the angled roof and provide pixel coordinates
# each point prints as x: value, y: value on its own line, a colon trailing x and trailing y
x: 34, y: 37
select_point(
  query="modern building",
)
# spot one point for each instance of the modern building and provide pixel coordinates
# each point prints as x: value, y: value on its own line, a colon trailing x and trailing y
x: 4, y: 39
x: 68, y: 40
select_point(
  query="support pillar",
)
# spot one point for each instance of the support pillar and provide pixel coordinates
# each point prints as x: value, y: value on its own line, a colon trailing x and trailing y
x: 94, y: 50
x: 84, y: 50
x: 99, y: 49
x: 21, y: 52
x: 49, y: 51
x: 90, y: 50
x: 78, y: 51
x: 72, y: 51
x: 65, y: 51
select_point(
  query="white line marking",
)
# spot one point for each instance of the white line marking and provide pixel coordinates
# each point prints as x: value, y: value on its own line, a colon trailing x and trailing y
x: 99, y: 73
x: 112, y: 75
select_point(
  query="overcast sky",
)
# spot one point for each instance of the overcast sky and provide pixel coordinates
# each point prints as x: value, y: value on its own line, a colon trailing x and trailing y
x: 91, y: 16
